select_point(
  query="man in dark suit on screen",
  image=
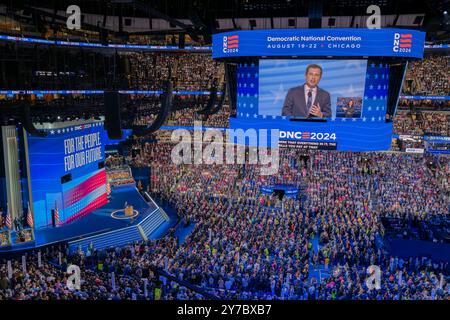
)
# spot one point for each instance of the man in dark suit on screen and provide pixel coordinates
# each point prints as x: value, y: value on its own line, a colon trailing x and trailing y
x: 308, y: 100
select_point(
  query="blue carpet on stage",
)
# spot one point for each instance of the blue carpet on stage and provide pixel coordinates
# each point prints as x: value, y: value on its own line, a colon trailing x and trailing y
x: 100, y: 220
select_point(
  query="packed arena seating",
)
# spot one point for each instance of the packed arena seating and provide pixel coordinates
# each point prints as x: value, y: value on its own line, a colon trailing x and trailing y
x: 142, y: 111
x: 272, y: 256
x: 428, y: 76
x: 248, y: 246
x: 429, y: 105
x: 194, y: 71
x: 422, y: 123
x: 48, y: 282
x: 226, y: 237
x: 117, y: 171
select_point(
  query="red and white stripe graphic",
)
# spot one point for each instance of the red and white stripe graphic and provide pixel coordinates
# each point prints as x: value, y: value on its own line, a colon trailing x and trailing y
x: 405, y: 40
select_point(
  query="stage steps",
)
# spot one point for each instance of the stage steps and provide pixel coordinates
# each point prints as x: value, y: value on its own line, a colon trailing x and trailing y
x: 152, y: 222
x: 120, y: 237
x: 114, y: 238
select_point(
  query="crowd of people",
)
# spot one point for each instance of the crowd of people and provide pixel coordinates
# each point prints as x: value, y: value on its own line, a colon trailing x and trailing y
x: 428, y: 76
x: 424, y: 104
x: 142, y: 111
x: 272, y: 256
x: 45, y: 276
x: 422, y: 123
x: 191, y: 72
x: 247, y: 245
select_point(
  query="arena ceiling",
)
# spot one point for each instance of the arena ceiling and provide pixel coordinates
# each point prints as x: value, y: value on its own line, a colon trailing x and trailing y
x: 205, y: 13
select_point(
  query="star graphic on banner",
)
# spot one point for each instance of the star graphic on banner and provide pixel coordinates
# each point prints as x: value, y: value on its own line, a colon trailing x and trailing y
x: 371, y: 87
x: 251, y: 85
x: 256, y: 95
x: 52, y: 131
x: 245, y: 85
x: 369, y: 108
x: 278, y: 94
x: 365, y: 97
x: 248, y: 115
x: 59, y: 131
x: 343, y: 119
x: 264, y: 116
x: 364, y: 119
x: 333, y: 119
x: 256, y: 75
x: 379, y: 118
x: 255, y: 115
x: 251, y: 105
x: 274, y: 117
x: 373, y: 118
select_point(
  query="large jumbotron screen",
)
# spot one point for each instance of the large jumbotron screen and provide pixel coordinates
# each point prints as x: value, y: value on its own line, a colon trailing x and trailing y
x: 316, y: 103
x: 66, y: 172
x: 335, y: 87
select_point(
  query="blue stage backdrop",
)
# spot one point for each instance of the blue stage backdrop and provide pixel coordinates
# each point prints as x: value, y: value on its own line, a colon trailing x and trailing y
x: 75, y: 153
x: 320, y: 42
x: 364, y: 131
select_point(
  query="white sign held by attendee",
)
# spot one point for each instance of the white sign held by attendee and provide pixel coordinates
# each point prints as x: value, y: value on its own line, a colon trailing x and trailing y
x: 145, y: 287
x: 10, y: 271
x: 39, y: 260
x: 24, y: 265
x: 113, y: 281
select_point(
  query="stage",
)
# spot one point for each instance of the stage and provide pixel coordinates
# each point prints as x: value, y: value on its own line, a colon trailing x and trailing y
x: 99, y: 221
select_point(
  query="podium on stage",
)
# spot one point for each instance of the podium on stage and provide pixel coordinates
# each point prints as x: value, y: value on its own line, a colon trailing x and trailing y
x: 128, y: 211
